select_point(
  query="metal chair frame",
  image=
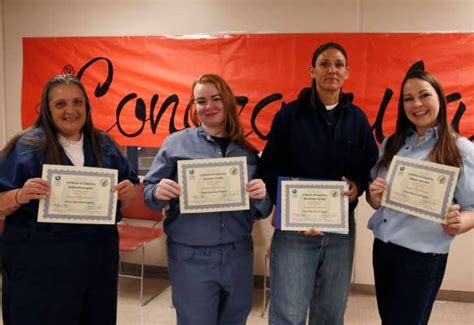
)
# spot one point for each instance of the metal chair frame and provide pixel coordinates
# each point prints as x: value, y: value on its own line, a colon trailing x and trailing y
x: 266, y: 285
x: 138, y: 210
x: 141, y: 277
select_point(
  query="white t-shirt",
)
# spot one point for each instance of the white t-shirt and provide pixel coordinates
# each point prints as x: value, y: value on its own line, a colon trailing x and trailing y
x: 74, y: 149
x: 330, y: 107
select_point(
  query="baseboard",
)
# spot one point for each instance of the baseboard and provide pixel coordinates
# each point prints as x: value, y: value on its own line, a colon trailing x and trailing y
x: 445, y: 295
x: 364, y: 289
x: 150, y: 270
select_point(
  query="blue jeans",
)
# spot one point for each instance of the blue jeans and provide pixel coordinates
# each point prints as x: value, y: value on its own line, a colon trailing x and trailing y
x: 211, y: 285
x: 310, y: 273
x: 406, y: 283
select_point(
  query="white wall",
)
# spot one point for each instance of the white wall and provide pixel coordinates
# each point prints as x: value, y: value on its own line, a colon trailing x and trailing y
x: 153, y: 17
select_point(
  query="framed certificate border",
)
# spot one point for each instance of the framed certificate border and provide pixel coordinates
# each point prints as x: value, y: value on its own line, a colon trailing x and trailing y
x: 111, y: 175
x: 185, y: 165
x: 289, y: 185
x: 451, y: 174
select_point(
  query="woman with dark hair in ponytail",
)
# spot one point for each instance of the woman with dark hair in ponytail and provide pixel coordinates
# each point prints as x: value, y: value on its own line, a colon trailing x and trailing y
x: 58, y: 273
x: 410, y: 253
x: 321, y: 135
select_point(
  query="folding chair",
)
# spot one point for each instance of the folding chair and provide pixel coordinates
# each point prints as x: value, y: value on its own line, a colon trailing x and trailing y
x: 266, y: 283
x: 133, y: 237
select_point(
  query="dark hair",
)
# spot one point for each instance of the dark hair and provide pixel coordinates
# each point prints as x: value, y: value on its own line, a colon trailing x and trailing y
x: 232, y: 125
x: 326, y: 46
x: 445, y: 150
x: 49, y: 143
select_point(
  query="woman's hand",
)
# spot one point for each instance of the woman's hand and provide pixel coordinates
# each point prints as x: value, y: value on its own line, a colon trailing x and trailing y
x: 312, y: 233
x: 376, y: 189
x: 454, y: 221
x: 256, y: 189
x: 353, y: 191
x: 125, y: 190
x: 167, y: 189
x: 33, y: 189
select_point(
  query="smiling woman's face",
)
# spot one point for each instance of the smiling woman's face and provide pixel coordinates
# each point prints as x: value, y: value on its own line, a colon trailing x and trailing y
x: 421, y: 104
x: 67, y: 105
x: 209, y: 108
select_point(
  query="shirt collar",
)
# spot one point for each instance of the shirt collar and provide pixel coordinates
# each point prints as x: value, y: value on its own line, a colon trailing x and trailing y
x: 203, y: 133
x: 430, y: 133
x: 65, y: 142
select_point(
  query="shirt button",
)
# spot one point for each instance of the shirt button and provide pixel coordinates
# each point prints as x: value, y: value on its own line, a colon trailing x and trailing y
x: 384, y: 220
x: 407, y: 148
x: 222, y: 225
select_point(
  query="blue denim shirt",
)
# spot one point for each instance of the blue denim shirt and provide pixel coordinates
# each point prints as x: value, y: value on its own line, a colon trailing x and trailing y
x: 415, y: 233
x: 201, y: 229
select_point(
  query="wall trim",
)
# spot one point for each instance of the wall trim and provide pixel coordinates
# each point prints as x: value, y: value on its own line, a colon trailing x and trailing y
x: 444, y: 295
x: 363, y: 289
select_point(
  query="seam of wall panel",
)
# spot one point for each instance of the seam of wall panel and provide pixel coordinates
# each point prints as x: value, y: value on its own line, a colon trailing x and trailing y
x: 359, y: 16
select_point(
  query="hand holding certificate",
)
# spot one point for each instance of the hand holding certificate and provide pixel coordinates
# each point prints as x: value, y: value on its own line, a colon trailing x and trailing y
x: 419, y: 188
x: 81, y: 195
x: 213, y: 185
x: 313, y: 204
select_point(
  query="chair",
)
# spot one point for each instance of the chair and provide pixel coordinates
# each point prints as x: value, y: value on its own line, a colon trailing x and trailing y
x: 266, y: 270
x: 266, y: 283
x: 133, y: 238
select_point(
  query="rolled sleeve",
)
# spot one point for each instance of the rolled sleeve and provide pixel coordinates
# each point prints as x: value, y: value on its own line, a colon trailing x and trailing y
x: 464, y: 193
x: 262, y: 208
x: 162, y: 167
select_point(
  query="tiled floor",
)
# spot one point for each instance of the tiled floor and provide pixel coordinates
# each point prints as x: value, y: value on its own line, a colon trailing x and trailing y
x: 361, y: 309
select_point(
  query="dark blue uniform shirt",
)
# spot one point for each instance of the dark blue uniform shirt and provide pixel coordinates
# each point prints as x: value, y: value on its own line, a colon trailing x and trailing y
x: 23, y: 162
x: 305, y: 141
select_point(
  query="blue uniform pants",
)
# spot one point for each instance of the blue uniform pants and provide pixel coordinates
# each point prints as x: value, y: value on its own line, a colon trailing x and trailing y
x: 52, y: 278
x: 211, y: 285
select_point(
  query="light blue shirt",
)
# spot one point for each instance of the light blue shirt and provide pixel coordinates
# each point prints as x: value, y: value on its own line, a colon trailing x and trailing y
x: 419, y: 234
x: 209, y: 228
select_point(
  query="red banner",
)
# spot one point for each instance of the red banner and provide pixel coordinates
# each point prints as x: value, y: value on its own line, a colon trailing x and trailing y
x: 139, y: 86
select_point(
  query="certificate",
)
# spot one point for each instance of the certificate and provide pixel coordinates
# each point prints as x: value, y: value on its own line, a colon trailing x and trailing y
x: 213, y: 185
x: 420, y: 188
x: 306, y: 204
x: 79, y: 195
